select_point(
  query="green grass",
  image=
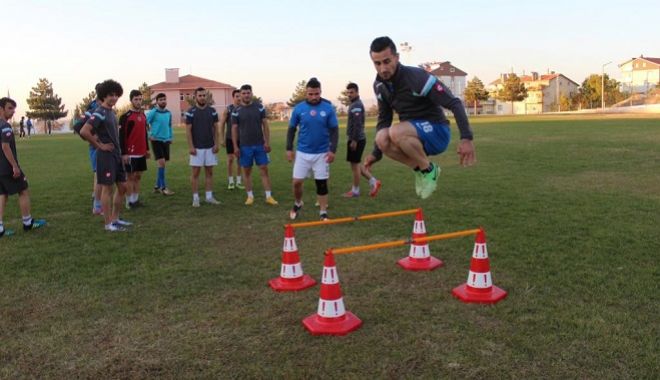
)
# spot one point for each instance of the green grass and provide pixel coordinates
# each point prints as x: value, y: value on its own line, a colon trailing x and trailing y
x: 571, y: 208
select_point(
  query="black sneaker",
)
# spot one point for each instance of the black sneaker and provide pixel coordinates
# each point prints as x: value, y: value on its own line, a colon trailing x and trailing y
x: 36, y: 223
x: 293, y: 214
x: 324, y: 216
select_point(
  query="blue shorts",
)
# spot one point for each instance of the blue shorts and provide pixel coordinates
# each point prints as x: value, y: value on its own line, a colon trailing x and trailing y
x: 435, y: 136
x: 92, y: 157
x: 253, y: 154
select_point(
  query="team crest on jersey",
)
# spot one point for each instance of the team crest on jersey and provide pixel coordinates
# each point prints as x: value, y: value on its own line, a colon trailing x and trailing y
x: 312, y: 112
x: 139, y: 118
x: 323, y: 114
x: 439, y: 87
x: 107, y: 174
x: 8, y: 134
x: 92, y: 118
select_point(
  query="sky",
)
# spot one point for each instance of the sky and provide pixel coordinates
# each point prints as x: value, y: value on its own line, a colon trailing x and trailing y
x: 273, y: 45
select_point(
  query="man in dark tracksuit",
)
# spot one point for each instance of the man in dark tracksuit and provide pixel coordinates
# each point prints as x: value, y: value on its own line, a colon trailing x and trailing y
x: 356, y: 143
x: 423, y: 129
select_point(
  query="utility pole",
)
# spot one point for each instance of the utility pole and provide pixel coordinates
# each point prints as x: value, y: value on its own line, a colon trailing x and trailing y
x: 602, y: 85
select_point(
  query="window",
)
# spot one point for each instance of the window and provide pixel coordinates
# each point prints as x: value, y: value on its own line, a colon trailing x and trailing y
x: 452, y: 70
x: 181, y: 97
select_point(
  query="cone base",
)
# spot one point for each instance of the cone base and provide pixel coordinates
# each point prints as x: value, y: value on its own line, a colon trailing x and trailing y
x: 316, y: 326
x: 419, y: 264
x: 464, y: 294
x: 281, y: 285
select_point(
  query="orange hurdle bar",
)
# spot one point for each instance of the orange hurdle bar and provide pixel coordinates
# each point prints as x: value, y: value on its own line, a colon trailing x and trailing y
x: 350, y: 219
x: 398, y: 243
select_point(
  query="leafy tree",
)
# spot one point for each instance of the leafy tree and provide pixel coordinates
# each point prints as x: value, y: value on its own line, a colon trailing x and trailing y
x: 257, y: 99
x: 146, y: 95
x: 591, y: 91
x: 44, y: 104
x: 343, y: 98
x: 373, y: 110
x: 475, y: 92
x: 565, y: 103
x: 513, y: 91
x: 209, y: 99
x: 298, y: 94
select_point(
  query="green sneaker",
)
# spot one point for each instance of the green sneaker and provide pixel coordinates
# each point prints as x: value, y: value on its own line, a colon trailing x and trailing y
x: 429, y: 182
x: 240, y: 186
x: 231, y: 186
x: 419, y: 177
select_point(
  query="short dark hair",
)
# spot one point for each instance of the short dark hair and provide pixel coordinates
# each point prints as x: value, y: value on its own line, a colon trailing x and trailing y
x: 382, y: 43
x: 199, y: 89
x: 236, y: 91
x: 352, y: 86
x: 5, y: 100
x: 313, y: 83
x: 246, y: 87
x: 134, y: 93
x: 160, y: 96
x: 108, y: 87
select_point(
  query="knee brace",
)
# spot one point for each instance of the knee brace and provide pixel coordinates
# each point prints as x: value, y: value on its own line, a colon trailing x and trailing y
x: 321, y: 186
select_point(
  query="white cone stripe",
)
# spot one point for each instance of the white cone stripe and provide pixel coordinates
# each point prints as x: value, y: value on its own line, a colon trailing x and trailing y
x: 419, y: 227
x: 291, y: 271
x: 479, y: 280
x: 419, y: 251
x: 290, y: 245
x: 331, y: 309
x: 330, y: 276
x: 480, y: 251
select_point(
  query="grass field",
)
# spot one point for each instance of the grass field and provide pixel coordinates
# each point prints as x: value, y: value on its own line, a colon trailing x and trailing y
x: 571, y: 208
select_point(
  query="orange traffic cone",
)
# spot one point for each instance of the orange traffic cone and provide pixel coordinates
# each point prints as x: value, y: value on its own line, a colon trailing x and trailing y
x: 331, y: 317
x: 479, y: 287
x: 291, y: 277
x: 419, y: 257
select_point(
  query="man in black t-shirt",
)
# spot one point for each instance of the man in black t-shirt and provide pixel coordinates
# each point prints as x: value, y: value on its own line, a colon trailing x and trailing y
x: 225, y: 130
x: 12, y: 178
x: 100, y: 130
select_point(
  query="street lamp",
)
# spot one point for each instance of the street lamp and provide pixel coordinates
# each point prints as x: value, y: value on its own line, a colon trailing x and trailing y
x: 602, y: 86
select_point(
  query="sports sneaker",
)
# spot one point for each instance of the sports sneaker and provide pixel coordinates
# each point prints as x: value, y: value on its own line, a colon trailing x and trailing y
x: 129, y: 205
x: 122, y: 222
x: 115, y: 228
x: 249, y: 201
x: 324, y: 216
x: 429, y: 182
x: 375, y: 188
x: 137, y: 204
x: 6, y: 232
x: 231, y: 186
x: 418, y: 182
x: 195, y: 203
x: 240, y: 186
x: 157, y: 190
x: 293, y: 214
x: 36, y: 223
x: 212, y: 201
x: 166, y: 191
x: 350, y: 194
x: 272, y: 201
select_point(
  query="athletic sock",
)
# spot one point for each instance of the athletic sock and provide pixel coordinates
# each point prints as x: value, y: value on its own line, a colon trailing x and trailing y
x: 372, y: 181
x: 209, y: 194
x: 27, y: 220
x: 97, y: 203
x: 161, y: 178
x: 268, y: 194
x: 429, y: 169
x: 298, y: 203
x: 238, y: 179
x: 355, y: 189
x: 250, y: 194
x: 195, y: 196
x: 230, y: 179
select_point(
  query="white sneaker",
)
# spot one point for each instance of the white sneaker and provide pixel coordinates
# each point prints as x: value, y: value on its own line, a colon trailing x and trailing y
x: 212, y: 201
x: 195, y: 203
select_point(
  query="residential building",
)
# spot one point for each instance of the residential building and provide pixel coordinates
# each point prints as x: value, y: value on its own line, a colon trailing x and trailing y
x: 543, y: 93
x: 453, y: 77
x: 641, y: 74
x: 177, y: 89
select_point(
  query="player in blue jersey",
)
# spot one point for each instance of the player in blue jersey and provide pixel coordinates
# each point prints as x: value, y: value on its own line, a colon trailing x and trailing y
x: 423, y: 130
x: 316, y: 148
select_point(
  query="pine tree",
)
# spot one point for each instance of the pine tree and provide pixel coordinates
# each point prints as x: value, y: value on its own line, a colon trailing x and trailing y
x: 475, y: 92
x: 44, y: 104
x: 298, y: 94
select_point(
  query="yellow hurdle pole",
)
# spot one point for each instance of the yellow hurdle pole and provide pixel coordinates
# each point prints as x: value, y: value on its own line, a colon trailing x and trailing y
x: 398, y: 243
x: 350, y: 219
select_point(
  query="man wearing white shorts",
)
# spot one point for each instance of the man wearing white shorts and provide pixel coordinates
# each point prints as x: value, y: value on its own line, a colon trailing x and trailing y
x: 317, y: 145
x: 202, y: 134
